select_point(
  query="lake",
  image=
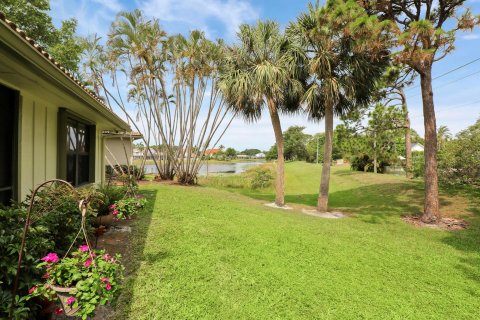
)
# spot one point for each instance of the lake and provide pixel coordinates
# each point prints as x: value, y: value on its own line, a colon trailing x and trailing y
x: 216, y: 168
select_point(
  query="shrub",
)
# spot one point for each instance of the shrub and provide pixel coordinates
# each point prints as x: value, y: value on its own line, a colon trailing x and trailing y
x: 127, y: 208
x: 38, y: 242
x: 259, y: 177
x: 111, y: 194
x: 418, y: 160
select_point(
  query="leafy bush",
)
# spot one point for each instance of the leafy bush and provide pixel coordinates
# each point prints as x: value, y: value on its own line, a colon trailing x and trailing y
x: 459, y: 159
x: 259, y: 177
x: 418, y: 160
x: 56, y: 221
x: 127, y: 208
x: 37, y: 243
x: 111, y: 194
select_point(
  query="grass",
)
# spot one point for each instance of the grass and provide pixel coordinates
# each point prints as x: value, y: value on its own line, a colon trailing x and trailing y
x: 206, y: 253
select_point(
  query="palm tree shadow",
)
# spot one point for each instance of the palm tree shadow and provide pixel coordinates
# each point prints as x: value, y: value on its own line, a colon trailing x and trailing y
x: 375, y: 203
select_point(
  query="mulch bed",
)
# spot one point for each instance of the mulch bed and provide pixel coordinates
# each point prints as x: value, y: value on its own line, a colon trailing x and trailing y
x: 444, y: 224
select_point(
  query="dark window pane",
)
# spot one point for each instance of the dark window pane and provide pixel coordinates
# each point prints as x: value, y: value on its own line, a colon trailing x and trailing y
x: 71, y: 168
x: 83, y: 169
x: 78, y: 155
x: 7, y: 128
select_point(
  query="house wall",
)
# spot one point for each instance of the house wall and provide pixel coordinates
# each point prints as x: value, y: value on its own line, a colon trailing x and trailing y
x: 115, y: 151
x: 38, y: 143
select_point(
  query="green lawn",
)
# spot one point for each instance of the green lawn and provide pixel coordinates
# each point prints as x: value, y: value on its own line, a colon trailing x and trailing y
x: 205, y: 253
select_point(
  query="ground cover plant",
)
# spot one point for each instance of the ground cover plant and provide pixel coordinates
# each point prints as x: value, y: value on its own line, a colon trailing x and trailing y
x: 216, y: 254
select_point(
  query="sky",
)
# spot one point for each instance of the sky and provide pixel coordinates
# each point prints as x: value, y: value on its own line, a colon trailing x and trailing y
x: 456, y: 95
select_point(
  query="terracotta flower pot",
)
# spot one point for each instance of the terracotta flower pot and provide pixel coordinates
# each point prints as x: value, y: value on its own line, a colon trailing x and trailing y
x: 63, y: 294
x: 105, y: 220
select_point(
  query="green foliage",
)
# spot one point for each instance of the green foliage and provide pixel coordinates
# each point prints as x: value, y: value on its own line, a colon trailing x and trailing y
x: 127, y: 208
x: 111, y: 194
x: 94, y: 275
x: 418, y: 159
x: 295, y: 143
x: 230, y: 153
x: 33, y: 17
x: 459, y: 159
x: 259, y: 177
x: 317, y: 143
x: 250, y: 152
x: 272, y: 153
x: 38, y: 242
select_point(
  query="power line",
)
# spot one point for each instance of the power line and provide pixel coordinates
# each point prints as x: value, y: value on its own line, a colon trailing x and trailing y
x: 449, y: 83
x: 448, y: 72
x: 450, y: 108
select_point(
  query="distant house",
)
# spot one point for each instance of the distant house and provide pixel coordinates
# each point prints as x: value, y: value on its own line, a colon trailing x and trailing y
x: 52, y: 125
x: 243, y: 156
x: 260, y: 155
x: 417, y: 147
x: 119, y: 147
x: 211, y: 152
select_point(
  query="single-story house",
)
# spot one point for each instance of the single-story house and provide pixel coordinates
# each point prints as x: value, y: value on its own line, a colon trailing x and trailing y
x: 260, y: 155
x: 119, y: 147
x: 417, y: 147
x: 211, y: 152
x: 52, y: 125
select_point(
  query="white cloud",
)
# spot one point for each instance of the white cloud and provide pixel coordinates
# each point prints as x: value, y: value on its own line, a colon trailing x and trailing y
x: 221, y: 16
x: 470, y: 36
x: 94, y: 16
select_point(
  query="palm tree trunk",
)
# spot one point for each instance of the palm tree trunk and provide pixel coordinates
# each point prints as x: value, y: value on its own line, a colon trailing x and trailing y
x: 431, y: 213
x: 322, y: 203
x: 375, y: 164
x: 408, y: 138
x: 280, y: 180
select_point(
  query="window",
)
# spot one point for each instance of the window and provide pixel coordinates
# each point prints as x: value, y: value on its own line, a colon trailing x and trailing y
x: 76, y: 149
x: 8, y: 144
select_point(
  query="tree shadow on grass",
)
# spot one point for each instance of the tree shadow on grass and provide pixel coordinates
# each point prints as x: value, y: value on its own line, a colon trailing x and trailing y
x: 468, y: 241
x: 135, y: 255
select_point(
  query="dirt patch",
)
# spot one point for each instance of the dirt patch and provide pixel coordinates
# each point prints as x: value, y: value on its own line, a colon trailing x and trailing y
x: 325, y: 215
x: 444, y: 224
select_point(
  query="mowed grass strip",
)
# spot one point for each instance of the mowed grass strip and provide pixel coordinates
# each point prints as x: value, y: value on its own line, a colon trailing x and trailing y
x: 204, y: 253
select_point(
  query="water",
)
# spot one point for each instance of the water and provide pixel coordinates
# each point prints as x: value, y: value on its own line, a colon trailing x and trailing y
x: 216, y: 168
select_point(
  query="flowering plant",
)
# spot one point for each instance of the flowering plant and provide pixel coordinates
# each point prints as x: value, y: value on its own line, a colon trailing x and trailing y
x: 127, y: 208
x: 86, y: 279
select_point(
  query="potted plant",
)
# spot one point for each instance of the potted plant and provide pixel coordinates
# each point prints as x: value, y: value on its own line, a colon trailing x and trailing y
x: 81, y: 281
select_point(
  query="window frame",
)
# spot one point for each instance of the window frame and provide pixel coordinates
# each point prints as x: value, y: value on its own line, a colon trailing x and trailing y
x: 66, y: 118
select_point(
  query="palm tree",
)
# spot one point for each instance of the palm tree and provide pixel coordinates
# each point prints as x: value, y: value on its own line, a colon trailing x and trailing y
x: 443, y: 135
x: 264, y: 71
x: 344, y: 63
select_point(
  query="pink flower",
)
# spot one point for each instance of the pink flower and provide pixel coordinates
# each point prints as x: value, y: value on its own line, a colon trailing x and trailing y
x: 113, y: 206
x: 45, y: 276
x: 32, y: 289
x: 83, y: 248
x: 104, y: 279
x: 58, y: 311
x: 108, y: 286
x: 88, y: 262
x: 50, y: 258
x: 115, y: 212
x: 70, y: 300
